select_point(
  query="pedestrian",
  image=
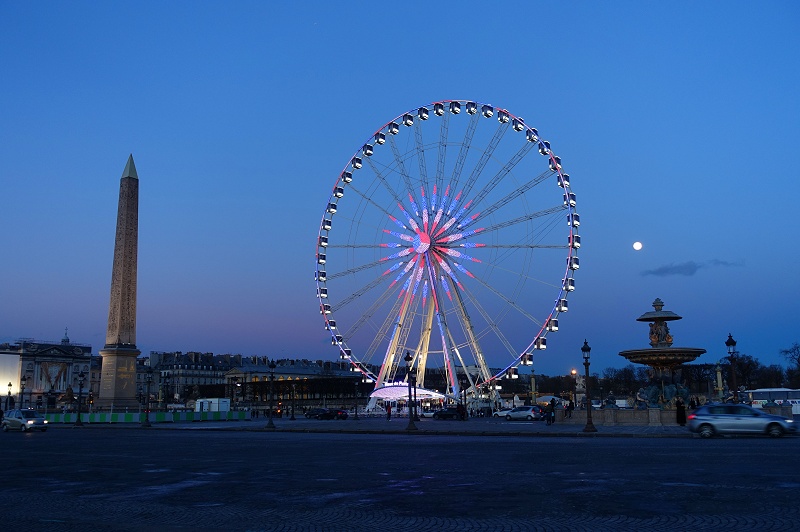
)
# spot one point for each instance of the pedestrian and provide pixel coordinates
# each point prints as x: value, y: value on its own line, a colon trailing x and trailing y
x: 388, y: 411
x: 692, y: 404
x: 548, y: 413
x: 552, y: 411
x: 680, y: 412
x: 570, y: 408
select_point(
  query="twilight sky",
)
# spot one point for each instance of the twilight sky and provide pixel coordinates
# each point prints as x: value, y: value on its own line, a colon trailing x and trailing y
x: 678, y: 123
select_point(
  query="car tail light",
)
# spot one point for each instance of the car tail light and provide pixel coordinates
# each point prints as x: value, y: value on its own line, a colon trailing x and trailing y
x: 691, y: 416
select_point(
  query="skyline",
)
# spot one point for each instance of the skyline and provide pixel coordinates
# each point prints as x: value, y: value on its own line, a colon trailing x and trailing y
x: 677, y: 132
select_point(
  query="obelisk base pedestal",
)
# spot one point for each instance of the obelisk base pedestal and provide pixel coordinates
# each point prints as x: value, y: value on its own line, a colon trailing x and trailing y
x: 118, y: 380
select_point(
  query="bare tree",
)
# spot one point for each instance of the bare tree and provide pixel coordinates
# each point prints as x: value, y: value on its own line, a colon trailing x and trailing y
x: 792, y: 354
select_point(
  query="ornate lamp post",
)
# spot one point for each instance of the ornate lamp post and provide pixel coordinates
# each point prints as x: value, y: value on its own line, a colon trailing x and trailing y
x: 8, y: 398
x: 589, y: 425
x: 730, y: 343
x: 271, y: 366
x: 416, y: 404
x: 408, y: 358
x: 81, y: 380
x: 148, y: 379
x: 165, y: 390
x: 22, y: 382
x: 294, y: 396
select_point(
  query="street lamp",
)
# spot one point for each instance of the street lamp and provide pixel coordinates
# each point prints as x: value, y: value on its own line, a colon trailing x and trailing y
x: 355, y: 397
x: 730, y: 343
x: 8, y: 399
x: 271, y: 366
x: 589, y: 425
x: 408, y: 358
x: 81, y: 380
x: 22, y: 382
x: 416, y: 404
x: 294, y: 396
x: 148, y: 379
x: 165, y: 389
x: 574, y: 374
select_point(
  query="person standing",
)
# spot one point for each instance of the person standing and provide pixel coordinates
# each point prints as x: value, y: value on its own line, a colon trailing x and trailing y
x: 680, y: 412
x: 570, y: 408
x: 388, y: 411
x: 552, y: 411
x: 548, y: 413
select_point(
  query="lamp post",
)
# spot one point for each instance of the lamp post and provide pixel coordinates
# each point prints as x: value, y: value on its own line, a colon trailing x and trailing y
x: 8, y: 398
x: 416, y: 404
x: 81, y: 379
x: 22, y: 382
x: 294, y: 396
x: 355, y: 398
x: 165, y: 389
x: 730, y: 343
x: 271, y: 366
x: 408, y: 358
x: 148, y: 379
x: 574, y: 374
x: 586, y: 350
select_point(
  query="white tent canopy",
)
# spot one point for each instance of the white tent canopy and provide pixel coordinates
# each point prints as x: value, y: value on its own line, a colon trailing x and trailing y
x: 393, y: 392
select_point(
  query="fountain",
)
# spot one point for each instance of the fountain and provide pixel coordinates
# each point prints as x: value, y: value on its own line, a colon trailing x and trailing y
x: 662, y: 358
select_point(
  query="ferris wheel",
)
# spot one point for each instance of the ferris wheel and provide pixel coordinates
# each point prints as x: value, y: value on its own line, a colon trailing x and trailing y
x: 449, y: 241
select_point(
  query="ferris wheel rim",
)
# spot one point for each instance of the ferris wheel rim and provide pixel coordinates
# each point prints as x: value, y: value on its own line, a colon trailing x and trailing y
x: 355, y: 162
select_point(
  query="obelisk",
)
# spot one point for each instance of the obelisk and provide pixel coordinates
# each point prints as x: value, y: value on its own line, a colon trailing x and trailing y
x: 118, y: 378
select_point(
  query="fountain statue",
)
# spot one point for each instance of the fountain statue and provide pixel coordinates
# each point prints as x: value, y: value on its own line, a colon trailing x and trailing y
x: 662, y: 359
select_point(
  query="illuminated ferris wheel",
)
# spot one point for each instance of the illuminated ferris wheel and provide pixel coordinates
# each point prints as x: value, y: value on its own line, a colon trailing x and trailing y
x: 451, y: 235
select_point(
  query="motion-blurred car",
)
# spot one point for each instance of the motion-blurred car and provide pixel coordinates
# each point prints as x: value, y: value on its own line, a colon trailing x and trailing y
x: 709, y: 420
x: 312, y: 413
x: 530, y: 413
x: 24, y: 420
x: 502, y: 412
x: 332, y: 413
x: 448, y: 412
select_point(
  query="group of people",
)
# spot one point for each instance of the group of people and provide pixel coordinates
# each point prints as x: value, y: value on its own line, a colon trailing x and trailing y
x: 550, y: 411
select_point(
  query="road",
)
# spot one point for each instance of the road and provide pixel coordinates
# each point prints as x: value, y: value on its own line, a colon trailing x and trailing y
x: 144, y: 479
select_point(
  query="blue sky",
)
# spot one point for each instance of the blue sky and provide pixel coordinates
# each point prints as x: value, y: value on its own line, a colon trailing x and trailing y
x: 677, y: 122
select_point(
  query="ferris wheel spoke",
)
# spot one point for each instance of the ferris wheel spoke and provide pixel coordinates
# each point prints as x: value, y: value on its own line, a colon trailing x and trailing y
x: 358, y: 293
x: 368, y: 198
x: 423, y: 169
x: 487, y: 153
x: 513, y: 304
x: 511, y: 196
x: 442, y: 154
x: 466, y: 144
x: 401, y: 167
x: 383, y: 180
x: 525, y: 218
x: 490, y: 322
x: 485, y: 190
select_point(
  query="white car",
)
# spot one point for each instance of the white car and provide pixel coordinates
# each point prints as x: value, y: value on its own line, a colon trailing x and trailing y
x: 530, y: 413
x: 502, y: 412
x: 24, y: 420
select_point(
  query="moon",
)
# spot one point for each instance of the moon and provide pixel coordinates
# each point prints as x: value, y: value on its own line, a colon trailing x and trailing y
x: 637, y: 246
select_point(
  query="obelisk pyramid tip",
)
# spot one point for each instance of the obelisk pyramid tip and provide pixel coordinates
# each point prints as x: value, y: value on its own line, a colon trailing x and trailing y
x: 130, y: 169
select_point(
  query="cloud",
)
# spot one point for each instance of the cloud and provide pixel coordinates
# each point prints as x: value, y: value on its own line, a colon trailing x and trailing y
x: 689, y: 268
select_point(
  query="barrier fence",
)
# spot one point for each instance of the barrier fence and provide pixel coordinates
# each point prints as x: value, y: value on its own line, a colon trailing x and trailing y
x: 153, y: 417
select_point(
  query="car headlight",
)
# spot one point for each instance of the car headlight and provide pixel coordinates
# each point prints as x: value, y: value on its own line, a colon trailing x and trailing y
x: 45, y: 422
x: 30, y: 422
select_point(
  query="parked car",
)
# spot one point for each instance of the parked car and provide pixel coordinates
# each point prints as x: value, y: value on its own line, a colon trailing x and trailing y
x: 312, y: 413
x: 331, y: 413
x: 24, y: 420
x: 502, y: 412
x: 448, y: 412
x: 712, y: 419
x: 530, y: 413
